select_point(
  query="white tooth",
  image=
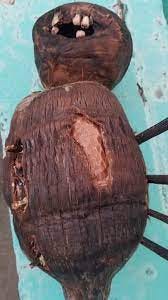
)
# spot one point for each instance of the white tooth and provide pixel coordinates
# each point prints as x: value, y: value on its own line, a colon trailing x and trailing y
x: 76, y: 20
x: 55, y: 19
x: 85, y: 22
x: 54, y: 30
x: 80, y: 33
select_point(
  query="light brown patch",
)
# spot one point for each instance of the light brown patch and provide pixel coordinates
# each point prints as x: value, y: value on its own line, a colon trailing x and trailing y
x: 90, y: 137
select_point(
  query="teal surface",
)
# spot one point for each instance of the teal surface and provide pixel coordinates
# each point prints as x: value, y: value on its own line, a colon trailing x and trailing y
x: 165, y: 9
x: 145, y: 275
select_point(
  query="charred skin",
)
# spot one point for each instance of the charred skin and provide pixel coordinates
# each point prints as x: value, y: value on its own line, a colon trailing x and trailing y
x: 86, y: 186
x: 102, y: 55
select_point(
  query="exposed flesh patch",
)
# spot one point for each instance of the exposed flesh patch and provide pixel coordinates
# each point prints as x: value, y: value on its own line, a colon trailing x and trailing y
x: 18, y: 184
x: 90, y: 138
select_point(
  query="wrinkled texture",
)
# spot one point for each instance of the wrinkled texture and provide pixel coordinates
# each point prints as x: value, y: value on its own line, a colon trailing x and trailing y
x: 74, y: 230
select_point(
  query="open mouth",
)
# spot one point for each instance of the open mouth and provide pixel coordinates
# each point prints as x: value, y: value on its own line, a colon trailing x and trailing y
x: 79, y: 27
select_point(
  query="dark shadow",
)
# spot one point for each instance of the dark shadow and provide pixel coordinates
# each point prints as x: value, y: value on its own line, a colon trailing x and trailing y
x: 165, y: 9
x: 69, y: 30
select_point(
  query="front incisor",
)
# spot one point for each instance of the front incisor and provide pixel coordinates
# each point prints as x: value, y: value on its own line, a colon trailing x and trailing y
x: 76, y: 20
x: 80, y: 33
x: 55, y: 20
x: 54, y: 30
x: 85, y: 22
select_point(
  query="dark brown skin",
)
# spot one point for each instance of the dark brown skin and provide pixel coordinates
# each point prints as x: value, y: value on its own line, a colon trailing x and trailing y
x: 103, y: 55
x: 84, y: 179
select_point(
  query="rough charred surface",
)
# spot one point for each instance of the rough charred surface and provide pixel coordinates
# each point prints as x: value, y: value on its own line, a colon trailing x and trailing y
x: 84, y: 179
x: 98, y: 50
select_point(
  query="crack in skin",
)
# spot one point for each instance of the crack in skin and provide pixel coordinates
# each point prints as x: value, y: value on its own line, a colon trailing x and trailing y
x: 18, y: 181
x: 19, y: 189
x: 38, y: 260
x: 20, y: 198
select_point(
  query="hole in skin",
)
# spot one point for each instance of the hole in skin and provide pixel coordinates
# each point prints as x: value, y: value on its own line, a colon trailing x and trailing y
x: 18, y: 182
x: 89, y: 137
x: 38, y: 258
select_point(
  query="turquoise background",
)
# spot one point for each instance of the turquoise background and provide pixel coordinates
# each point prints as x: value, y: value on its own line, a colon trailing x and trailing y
x: 145, y: 275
